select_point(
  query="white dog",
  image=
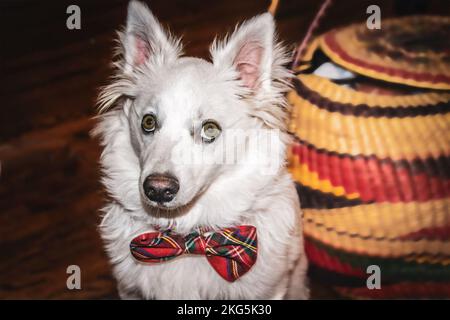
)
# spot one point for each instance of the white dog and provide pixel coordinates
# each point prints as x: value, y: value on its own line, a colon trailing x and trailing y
x: 165, y: 130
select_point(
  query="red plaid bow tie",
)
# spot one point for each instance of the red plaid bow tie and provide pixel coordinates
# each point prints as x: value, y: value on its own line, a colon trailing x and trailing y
x: 231, y: 251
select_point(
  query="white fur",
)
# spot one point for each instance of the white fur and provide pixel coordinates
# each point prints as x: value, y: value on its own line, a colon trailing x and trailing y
x: 152, y: 77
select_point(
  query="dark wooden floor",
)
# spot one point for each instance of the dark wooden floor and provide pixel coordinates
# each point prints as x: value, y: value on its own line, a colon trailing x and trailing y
x: 49, y: 190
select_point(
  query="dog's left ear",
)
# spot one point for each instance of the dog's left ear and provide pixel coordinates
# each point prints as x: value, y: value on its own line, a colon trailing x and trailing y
x: 250, y: 51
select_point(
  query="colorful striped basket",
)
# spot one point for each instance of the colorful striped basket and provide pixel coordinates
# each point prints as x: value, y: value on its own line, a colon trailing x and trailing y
x: 373, y: 173
x: 410, y: 50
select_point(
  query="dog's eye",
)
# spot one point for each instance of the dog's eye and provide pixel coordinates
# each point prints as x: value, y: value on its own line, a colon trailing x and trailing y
x: 210, y: 131
x: 148, y: 123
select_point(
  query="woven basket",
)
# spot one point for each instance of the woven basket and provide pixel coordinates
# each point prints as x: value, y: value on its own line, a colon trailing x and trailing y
x: 373, y: 176
x: 410, y: 51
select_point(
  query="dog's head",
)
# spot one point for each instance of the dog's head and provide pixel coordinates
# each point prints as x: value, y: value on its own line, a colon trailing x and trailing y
x: 185, y: 115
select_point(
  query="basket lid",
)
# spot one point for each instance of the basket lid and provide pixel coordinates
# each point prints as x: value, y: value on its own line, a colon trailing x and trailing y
x: 411, y: 50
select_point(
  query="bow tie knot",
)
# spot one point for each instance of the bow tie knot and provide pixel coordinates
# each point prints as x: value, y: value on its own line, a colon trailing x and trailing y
x: 230, y: 251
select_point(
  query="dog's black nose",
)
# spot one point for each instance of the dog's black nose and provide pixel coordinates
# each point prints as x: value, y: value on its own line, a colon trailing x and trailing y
x: 161, y: 188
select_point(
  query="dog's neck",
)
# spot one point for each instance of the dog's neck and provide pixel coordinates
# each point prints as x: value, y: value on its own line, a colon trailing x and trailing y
x: 173, y: 228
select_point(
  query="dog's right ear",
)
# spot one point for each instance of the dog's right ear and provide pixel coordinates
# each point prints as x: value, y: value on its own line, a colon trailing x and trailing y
x: 144, y: 39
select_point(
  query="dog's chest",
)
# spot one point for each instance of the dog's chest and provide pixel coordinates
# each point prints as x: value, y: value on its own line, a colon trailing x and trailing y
x: 186, y: 277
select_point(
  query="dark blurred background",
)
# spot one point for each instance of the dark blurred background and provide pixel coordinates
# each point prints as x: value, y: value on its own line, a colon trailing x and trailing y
x: 49, y: 189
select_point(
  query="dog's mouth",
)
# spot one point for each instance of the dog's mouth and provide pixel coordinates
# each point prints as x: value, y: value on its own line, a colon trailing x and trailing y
x: 168, y: 209
x: 161, y: 208
x: 167, y: 206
